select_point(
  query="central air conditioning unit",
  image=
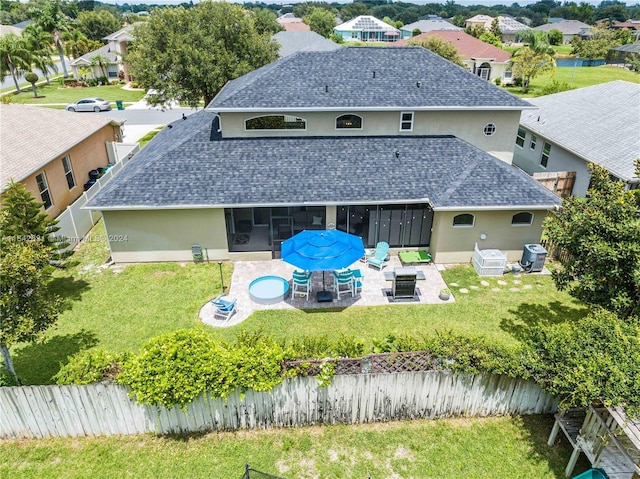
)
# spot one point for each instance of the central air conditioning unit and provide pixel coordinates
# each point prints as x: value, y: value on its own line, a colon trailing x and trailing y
x: 533, y: 258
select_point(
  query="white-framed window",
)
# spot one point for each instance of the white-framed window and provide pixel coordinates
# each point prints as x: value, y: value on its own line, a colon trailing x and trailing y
x: 275, y: 122
x: 353, y: 122
x: 508, y: 75
x: 522, y: 134
x: 43, y: 187
x: 464, y: 220
x: 522, y: 219
x: 534, y: 140
x: 544, y: 158
x: 406, y: 121
x: 489, y: 129
x: 68, y: 171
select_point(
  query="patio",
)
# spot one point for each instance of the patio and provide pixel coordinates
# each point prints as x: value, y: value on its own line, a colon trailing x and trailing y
x: 374, y: 289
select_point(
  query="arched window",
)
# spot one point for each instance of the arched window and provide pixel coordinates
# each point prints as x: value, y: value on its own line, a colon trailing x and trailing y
x: 522, y: 219
x: 349, y: 121
x: 276, y: 122
x: 464, y: 220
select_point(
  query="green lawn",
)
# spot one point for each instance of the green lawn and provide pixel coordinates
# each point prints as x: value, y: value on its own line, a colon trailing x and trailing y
x: 54, y: 93
x: 507, y: 447
x: 578, y: 78
x: 120, y: 308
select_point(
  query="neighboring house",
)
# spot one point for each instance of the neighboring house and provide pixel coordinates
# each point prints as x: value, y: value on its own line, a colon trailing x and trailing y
x: 483, y: 59
x: 569, y: 29
x: 52, y: 151
x: 511, y: 28
x: 292, y: 42
x: 292, y: 23
x: 597, y: 124
x: 633, y: 25
x: 115, y: 51
x: 391, y: 144
x: 427, y: 25
x: 624, y: 55
x: 366, y: 28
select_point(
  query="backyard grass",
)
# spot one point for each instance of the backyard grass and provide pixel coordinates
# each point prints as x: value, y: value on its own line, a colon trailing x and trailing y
x: 577, y: 78
x: 119, y: 308
x: 506, y: 447
x: 54, y: 93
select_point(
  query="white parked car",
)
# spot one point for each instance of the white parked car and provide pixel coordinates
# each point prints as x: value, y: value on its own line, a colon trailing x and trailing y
x: 89, y: 104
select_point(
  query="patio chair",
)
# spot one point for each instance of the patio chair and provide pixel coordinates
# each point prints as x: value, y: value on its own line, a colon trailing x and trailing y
x: 343, y: 282
x: 380, y: 256
x: 301, y: 283
x: 357, y: 281
x: 222, y: 308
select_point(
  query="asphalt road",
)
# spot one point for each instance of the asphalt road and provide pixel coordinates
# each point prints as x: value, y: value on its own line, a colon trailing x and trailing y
x: 151, y: 116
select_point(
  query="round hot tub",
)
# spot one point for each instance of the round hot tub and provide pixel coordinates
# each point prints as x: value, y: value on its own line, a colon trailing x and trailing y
x: 268, y: 289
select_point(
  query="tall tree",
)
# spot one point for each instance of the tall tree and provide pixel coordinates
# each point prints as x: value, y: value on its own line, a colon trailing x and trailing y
x: 526, y: 64
x: 601, y: 234
x: 27, y: 306
x: 598, y: 45
x: 52, y: 19
x: 265, y: 22
x: 320, y: 21
x: 96, y: 25
x: 14, y: 57
x: 440, y: 47
x: 76, y: 43
x: 40, y: 44
x: 189, y: 54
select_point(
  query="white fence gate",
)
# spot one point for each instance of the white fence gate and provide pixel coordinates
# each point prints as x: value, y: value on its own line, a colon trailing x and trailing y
x: 74, y: 222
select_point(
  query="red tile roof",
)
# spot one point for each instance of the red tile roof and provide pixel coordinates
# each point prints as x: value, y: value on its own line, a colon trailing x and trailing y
x: 294, y: 25
x: 468, y: 46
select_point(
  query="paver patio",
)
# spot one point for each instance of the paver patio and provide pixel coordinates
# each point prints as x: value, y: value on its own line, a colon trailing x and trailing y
x: 374, y: 289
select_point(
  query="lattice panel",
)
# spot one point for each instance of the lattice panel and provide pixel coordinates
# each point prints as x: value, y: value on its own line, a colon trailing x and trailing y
x: 402, y: 362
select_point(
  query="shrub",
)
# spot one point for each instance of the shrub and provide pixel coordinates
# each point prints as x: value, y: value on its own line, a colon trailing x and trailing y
x: 90, y: 366
x: 556, y: 87
x: 597, y: 357
x: 6, y: 378
x: 92, y: 82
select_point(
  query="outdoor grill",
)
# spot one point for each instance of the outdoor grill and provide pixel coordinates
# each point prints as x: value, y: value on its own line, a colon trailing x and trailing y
x: 404, y: 283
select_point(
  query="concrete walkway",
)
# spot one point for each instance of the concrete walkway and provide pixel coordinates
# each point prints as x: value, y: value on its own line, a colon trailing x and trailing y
x: 374, y: 290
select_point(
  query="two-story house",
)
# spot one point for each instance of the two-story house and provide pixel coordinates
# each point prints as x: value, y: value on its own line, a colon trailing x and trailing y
x: 569, y: 130
x: 391, y: 144
x: 115, y: 51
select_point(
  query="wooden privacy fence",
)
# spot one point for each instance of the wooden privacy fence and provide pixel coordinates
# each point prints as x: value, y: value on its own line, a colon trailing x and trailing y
x: 106, y: 409
x: 560, y: 182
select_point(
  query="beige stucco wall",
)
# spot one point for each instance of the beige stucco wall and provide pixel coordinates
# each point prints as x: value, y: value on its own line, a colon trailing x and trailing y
x: 87, y: 155
x: 165, y: 235
x: 455, y: 244
x: 467, y: 125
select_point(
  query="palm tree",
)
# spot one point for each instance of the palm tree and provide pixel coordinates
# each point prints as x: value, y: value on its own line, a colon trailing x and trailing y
x: 102, y: 61
x: 51, y: 18
x: 14, y: 57
x: 76, y: 43
x: 40, y: 44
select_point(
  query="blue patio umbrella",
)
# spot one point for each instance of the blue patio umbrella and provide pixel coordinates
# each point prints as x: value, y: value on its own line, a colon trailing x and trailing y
x: 322, y: 250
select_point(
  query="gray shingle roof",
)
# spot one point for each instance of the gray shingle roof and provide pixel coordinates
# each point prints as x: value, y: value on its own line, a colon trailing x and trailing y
x: 429, y: 25
x: 567, y: 27
x: 599, y: 123
x: 343, y: 78
x: 292, y: 42
x: 184, y: 167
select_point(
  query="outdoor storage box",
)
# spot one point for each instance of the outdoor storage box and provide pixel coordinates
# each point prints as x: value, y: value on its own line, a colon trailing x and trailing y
x: 489, y: 262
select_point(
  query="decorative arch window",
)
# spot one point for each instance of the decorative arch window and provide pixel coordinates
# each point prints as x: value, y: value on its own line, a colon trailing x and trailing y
x: 349, y: 121
x: 465, y: 220
x: 489, y: 129
x: 522, y: 219
x: 276, y: 122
